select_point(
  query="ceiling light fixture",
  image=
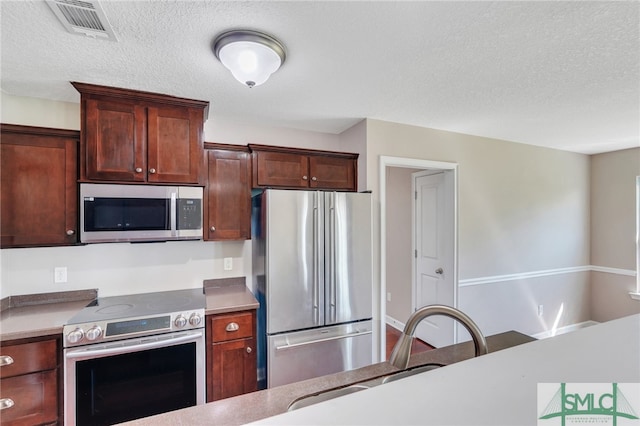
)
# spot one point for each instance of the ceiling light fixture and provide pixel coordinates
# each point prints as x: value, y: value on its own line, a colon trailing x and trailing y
x: 251, y: 56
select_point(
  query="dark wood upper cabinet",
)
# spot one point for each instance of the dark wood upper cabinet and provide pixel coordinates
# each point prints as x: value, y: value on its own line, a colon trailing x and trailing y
x: 39, y: 171
x: 301, y: 168
x: 228, y: 193
x: 133, y: 136
x: 332, y: 172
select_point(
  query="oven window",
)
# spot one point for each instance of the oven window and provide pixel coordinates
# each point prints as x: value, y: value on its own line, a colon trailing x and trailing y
x: 126, y: 214
x: 124, y: 387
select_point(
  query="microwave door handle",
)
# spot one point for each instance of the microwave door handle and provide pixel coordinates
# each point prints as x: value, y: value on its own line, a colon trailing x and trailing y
x: 174, y: 213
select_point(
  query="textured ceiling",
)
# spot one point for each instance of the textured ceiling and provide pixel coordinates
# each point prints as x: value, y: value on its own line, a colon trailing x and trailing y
x: 558, y: 74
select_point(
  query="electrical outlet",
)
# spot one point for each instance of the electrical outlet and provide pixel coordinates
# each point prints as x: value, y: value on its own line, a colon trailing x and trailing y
x: 60, y: 274
x: 389, y: 297
x: 540, y: 310
x: 228, y: 263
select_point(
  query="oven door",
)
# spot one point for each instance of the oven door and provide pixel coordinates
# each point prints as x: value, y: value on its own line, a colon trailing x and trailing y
x: 125, y: 380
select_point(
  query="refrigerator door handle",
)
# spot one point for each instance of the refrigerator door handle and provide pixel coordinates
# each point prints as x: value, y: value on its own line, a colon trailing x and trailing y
x: 326, y: 339
x: 316, y: 263
x: 332, y: 257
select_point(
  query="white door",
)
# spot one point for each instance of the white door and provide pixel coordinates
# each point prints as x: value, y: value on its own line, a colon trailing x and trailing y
x: 434, y: 277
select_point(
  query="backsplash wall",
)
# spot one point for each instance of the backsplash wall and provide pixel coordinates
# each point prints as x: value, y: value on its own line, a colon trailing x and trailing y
x: 122, y: 268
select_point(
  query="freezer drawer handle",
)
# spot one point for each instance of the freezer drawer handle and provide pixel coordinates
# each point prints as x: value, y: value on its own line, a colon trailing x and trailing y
x: 5, y: 360
x: 233, y: 326
x: 344, y: 336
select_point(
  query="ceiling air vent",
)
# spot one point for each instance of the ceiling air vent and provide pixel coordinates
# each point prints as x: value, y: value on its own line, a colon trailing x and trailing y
x: 83, y: 18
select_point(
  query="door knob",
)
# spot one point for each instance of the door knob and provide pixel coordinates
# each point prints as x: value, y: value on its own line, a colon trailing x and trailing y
x: 152, y: 171
x: 439, y: 271
x: 138, y: 169
x: 249, y: 349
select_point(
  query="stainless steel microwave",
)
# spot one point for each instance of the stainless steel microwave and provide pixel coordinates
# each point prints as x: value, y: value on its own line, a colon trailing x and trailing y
x: 114, y: 213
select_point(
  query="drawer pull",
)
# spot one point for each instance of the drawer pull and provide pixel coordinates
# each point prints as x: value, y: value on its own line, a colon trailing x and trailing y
x: 5, y: 360
x: 249, y: 349
x: 6, y: 403
x: 233, y: 326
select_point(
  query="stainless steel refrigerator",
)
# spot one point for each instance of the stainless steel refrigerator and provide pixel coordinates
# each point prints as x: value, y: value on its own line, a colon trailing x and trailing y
x: 312, y: 261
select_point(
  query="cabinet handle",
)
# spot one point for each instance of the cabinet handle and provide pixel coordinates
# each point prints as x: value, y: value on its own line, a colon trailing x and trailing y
x: 5, y: 360
x: 314, y: 178
x: 304, y: 177
x: 249, y: 349
x: 6, y: 403
x: 152, y: 171
x: 213, y: 229
x: 138, y: 169
x: 70, y: 232
x: 233, y: 326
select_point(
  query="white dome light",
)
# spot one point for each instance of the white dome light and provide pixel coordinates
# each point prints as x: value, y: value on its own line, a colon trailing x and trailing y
x: 250, y: 56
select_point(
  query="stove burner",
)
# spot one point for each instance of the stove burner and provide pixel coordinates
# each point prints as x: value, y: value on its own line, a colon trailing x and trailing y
x: 114, y: 309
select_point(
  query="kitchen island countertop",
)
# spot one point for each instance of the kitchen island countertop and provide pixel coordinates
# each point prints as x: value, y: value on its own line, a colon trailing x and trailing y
x: 270, y: 402
x: 501, y: 388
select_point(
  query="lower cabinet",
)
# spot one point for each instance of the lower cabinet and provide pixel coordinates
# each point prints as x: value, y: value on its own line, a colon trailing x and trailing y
x: 29, y: 382
x: 231, y: 354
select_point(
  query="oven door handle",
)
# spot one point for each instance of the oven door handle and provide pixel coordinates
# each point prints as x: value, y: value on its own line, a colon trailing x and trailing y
x: 119, y: 349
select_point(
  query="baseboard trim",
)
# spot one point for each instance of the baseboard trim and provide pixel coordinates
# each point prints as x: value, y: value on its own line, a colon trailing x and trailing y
x: 544, y: 273
x: 565, y: 329
x: 398, y: 325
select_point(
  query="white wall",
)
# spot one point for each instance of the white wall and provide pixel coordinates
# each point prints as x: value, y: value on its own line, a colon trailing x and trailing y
x: 521, y: 209
x: 399, y: 247
x: 613, y: 230
x: 122, y: 268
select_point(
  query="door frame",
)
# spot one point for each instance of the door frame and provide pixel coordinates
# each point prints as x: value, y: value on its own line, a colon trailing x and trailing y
x: 413, y: 163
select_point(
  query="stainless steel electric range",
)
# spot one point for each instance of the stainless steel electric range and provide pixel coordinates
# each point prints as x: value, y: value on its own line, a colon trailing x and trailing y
x: 127, y: 357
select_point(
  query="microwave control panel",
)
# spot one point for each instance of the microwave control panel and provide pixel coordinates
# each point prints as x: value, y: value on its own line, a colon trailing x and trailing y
x: 189, y: 213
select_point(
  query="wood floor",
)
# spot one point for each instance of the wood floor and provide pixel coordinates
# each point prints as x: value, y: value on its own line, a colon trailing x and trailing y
x: 392, y: 337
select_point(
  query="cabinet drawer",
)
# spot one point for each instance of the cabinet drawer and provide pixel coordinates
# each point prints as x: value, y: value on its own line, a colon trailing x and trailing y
x: 34, y: 398
x: 230, y: 327
x: 28, y: 358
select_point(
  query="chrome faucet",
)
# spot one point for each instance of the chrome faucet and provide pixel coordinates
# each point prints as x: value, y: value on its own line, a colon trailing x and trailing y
x: 402, y: 349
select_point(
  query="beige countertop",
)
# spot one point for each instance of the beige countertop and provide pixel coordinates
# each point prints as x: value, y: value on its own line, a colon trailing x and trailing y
x: 228, y: 295
x: 42, y: 314
x: 270, y: 402
x: 37, y: 315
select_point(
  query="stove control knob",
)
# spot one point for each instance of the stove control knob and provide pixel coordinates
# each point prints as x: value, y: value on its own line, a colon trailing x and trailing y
x: 180, y: 321
x: 94, y: 332
x: 75, y: 336
x: 195, y: 319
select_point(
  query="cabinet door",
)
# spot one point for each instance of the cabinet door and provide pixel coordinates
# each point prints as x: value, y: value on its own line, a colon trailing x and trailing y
x: 228, y: 194
x: 234, y: 368
x: 39, y: 190
x: 281, y: 169
x: 332, y: 173
x: 34, y: 397
x: 115, y: 140
x: 175, y: 150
